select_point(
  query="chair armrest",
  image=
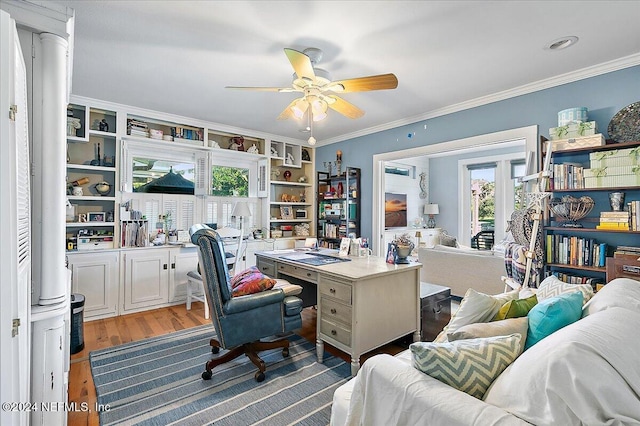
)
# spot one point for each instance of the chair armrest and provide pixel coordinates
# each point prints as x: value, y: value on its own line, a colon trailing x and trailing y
x: 252, y: 301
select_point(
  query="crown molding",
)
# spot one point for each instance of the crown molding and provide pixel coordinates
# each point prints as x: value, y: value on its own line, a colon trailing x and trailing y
x: 570, y: 77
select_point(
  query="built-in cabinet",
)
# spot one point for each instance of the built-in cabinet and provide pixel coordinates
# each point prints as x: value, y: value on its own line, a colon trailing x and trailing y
x: 291, y: 193
x: 95, y: 275
x: 569, y: 249
x: 118, y: 273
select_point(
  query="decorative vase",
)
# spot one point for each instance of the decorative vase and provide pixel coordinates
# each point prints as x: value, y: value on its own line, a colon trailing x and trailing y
x: 402, y: 252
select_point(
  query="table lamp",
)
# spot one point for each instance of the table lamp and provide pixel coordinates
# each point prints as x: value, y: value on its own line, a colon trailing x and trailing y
x: 431, y: 210
x: 241, y: 210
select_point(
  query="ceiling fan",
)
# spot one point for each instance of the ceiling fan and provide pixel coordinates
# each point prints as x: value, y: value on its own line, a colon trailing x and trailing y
x: 319, y: 92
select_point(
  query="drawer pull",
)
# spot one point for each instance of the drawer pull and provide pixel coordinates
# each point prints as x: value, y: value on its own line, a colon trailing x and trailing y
x: 308, y: 274
x: 333, y: 332
x: 264, y: 268
x: 333, y: 310
x: 332, y: 290
x: 437, y: 309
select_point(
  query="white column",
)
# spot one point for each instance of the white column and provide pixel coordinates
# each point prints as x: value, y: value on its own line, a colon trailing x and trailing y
x: 51, y: 176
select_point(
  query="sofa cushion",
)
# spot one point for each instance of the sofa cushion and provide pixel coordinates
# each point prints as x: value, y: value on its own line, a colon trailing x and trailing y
x: 467, y: 365
x: 475, y: 307
x: 250, y: 281
x: 553, y: 286
x: 492, y: 329
x: 622, y: 292
x: 552, y: 314
x: 584, y: 374
x: 516, y: 308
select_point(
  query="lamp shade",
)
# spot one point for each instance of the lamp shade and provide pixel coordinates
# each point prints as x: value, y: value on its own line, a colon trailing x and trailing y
x: 241, y: 209
x: 431, y: 209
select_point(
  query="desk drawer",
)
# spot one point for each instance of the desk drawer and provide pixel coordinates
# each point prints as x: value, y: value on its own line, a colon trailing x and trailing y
x: 333, y: 310
x: 294, y: 271
x: 267, y: 268
x: 335, y: 289
x: 335, y: 331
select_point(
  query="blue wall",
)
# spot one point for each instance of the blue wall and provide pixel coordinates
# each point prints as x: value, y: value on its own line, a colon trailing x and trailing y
x: 603, y: 95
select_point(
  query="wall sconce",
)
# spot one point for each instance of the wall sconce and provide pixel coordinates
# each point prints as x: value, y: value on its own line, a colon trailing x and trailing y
x: 431, y: 210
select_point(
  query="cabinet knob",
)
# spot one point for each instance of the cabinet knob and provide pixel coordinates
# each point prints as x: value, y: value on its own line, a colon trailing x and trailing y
x: 173, y: 266
x: 333, y: 332
x: 164, y: 266
x: 332, y: 290
x: 308, y: 274
x: 333, y: 310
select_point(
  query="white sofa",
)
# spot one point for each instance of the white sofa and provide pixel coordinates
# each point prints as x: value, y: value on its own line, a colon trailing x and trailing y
x: 462, y: 268
x: 585, y: 373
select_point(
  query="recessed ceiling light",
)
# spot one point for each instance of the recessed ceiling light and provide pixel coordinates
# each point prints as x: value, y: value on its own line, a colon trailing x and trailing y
x: 562, y: 43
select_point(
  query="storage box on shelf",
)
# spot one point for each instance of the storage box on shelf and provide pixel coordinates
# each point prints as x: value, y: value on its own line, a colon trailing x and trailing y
x: 338, y: 206
x: 582, y: 253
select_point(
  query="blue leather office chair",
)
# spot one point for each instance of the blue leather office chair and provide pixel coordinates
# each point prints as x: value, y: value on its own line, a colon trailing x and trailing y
x: 241, y: 322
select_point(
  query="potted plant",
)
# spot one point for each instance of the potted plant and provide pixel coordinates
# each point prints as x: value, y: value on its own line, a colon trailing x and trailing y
x: 403, y: 246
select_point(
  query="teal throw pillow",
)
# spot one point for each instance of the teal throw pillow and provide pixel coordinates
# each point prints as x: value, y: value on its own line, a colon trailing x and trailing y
x: 552, y: 314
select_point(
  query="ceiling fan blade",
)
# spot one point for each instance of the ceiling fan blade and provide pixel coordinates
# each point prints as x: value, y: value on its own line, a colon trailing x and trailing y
x: 288, y: 112
x: 363, y: 84
x: 345, y: 108
x: 301, y: 64
x: 263, y: 89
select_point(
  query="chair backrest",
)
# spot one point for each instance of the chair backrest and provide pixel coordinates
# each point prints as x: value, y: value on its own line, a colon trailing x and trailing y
x: 213, y: 269
x: 233, y: 244
x: 483, y: 240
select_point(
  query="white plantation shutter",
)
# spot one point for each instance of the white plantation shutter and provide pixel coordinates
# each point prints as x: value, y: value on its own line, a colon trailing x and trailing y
x: 262, y: 179
x: 226, y: 219
x: 211, y: 211
x: 202, y: 176
x: 187, y: 216
x: 23, y: 169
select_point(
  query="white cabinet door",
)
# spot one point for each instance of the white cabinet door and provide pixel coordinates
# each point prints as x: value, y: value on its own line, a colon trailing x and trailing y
x: 95, y: 276
x: 146, y: 278
x: 183, y: 260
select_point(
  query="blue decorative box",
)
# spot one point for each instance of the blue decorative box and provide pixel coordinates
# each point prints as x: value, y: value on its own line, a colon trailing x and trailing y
x: 572, y: 115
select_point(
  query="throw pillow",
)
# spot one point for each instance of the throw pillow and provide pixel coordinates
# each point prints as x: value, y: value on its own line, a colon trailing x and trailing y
x: 622, y: 292
x: 467, y: 365
x: 516, y: 308
x: 492, y: 329
x: 448, y: 240
x: 475, y: 307
x: 250, y: 281
x: 552, y: 286
x: 550, y: 315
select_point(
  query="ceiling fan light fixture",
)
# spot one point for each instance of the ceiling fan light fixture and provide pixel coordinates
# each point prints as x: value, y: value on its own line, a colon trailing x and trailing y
x: 299, y: 108
x: 312, y: 140
x: 319, y: 109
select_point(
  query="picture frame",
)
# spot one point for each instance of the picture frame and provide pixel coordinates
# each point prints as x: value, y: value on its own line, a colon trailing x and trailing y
x: 96, y: 217
x: 345, y: 243
x: 286, y: 212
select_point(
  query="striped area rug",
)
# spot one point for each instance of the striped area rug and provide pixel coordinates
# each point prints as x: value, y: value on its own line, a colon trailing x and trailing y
x: 157, y: 382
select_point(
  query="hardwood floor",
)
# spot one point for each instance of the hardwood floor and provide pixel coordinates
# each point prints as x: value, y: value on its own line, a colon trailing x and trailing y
x: 100, y: 334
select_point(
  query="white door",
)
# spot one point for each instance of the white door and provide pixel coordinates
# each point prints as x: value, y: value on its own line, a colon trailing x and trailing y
x: 15, y: 232
x: 95, y: 276
x: 146, y: 278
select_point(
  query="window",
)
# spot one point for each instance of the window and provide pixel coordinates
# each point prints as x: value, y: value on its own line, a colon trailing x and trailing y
x: 160, y: 176
x: 490, y: 192
x: 229, y: 181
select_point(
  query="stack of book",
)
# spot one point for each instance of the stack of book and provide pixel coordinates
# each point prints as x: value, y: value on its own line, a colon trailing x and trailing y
x: 578, y: 279
x: 578, y: 251
x: 137, y: 128
x: 622, y: 251
x: 634, y: 212
x: 614, y: 221
x: 567, y: 176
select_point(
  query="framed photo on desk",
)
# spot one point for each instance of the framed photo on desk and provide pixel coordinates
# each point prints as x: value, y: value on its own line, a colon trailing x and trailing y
x: 344, y: 246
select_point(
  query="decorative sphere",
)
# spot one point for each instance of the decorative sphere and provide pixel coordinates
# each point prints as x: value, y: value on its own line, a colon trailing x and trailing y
x: 287, y: 175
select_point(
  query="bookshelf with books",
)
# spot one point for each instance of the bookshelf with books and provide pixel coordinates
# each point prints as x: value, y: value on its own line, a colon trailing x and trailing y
x: 583, y: 249
x: 338, y: 206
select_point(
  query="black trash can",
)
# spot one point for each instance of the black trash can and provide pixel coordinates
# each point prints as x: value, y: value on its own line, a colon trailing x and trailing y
x: 77, y: 323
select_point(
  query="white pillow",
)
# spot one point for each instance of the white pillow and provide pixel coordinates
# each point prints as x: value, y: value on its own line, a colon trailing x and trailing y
x: 622, y: 292
x: 475, y: 307
x: 552, y: 286
x: 492, y: 329
x: 468, y: 365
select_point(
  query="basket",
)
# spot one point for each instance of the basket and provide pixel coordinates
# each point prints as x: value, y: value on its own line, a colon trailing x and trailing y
x: 570, y: 209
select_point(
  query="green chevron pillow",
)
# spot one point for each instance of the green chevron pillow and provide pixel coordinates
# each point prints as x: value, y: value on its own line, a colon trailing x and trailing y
x: 467, y: 365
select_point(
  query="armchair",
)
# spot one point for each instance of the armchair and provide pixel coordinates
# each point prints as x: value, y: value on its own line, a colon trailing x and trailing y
x: 242, y: 323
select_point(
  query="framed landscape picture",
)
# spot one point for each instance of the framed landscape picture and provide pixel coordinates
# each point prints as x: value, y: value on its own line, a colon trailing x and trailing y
x: 395, y: 210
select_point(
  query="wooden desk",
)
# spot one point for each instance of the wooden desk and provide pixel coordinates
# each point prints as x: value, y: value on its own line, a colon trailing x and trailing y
x: 362, y: 304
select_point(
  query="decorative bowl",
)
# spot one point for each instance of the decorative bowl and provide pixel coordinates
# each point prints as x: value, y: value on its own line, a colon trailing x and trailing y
x: 570, y: 209
x: 103, y: 188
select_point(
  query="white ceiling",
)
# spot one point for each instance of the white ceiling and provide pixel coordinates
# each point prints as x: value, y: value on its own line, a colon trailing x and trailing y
x: 177, y: 56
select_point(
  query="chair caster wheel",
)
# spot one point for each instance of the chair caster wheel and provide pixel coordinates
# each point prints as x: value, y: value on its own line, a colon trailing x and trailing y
x: 206, y: 375
x: 215, y: 350
x: 285, y: 352
x: 259, y: 376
